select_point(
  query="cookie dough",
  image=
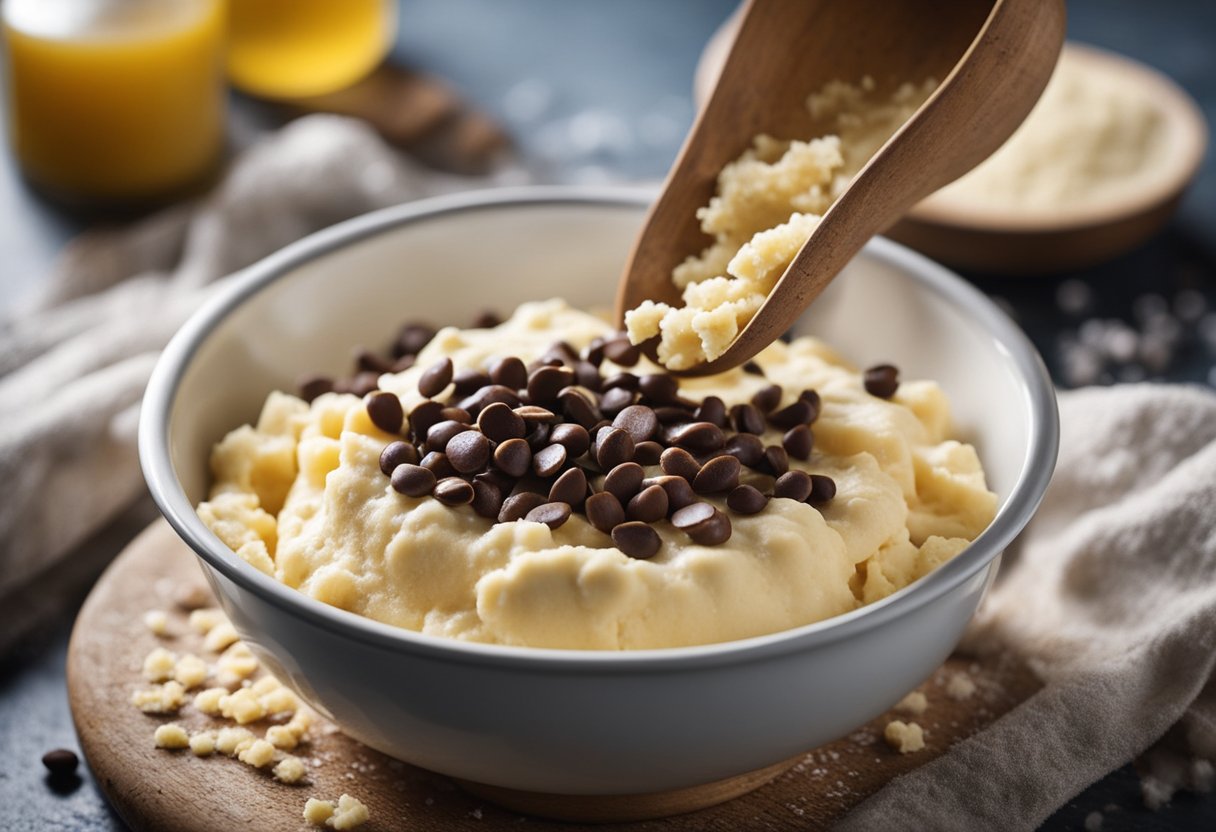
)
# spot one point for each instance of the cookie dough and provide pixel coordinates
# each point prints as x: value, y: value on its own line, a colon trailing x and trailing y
x: 301, y: 496
x: 767, y: 204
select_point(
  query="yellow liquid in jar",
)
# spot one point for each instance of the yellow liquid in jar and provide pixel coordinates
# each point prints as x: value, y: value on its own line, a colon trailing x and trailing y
x: 297, y: 48
x: 115, y: 102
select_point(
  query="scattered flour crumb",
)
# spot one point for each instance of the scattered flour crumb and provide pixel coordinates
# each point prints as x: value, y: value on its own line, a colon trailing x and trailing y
x: 159, y: 665
x: 164, y: 699
x: 348, y: 813
x: 914, y: 703
x: 208, y: 701
x: 219, y: 637
x: 1093, y: 822
x: 204, y: 620
x: 960, y: 687
x: 190, y: 671
x: 157, y: 622
x: 171, y: 736
x: 1156, y: 793
x: 259, y: 754
x: 202, y: 744
x: 290, y: 770
x: 904, y: 737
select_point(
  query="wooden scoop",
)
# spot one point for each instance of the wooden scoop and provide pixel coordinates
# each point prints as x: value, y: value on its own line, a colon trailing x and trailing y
x: 993, y: 58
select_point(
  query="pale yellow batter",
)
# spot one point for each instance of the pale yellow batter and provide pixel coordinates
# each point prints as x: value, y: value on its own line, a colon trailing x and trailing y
x: 301, y: 496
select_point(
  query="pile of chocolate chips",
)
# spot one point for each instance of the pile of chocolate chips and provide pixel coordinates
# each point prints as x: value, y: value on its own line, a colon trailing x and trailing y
x: 524, y: 441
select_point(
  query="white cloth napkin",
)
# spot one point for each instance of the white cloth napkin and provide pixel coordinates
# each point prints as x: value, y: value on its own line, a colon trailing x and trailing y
x: 75, y: 359
x: 1110, y: 595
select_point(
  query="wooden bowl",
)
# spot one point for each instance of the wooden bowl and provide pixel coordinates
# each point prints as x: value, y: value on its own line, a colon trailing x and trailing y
x: 1020, y: 242
x: 1026, y: 241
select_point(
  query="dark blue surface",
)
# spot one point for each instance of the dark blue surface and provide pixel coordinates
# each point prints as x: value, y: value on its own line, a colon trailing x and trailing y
x: 600, y: 91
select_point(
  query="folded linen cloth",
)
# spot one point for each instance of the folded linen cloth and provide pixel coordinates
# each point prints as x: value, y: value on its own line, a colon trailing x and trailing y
x: 75, y: 359
x: 1110, y: 596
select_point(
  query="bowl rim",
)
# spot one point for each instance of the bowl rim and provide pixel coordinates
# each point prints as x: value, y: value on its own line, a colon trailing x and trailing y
x: 171, y: 499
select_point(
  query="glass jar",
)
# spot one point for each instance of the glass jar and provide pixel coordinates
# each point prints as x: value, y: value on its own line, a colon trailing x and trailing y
x: 115, y: 102
x: 288, y: 49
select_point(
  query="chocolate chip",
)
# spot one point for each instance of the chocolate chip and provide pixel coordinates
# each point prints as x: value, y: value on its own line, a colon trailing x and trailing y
x: 545, y: 383
x: 624, y: 480
x: 549, y: 460
x: 798, y: 413
x: 745, y: 447
x: 364, y: 383
x: 747, y: 419
x: 882, y: 381
x: 671, y: 414
x: 767, y: 398
x: 649, y: 505
x: 412, y: 338
x: 604, y: 511
x: 692, y: 514
x: 369, y: 362
x: 551, y: 514
x: 487, y: 498
x: 311, y: 387
x: 612, y: 447
x: 659, y: 388
x: 574, y: 438
x: 619, y: 351
x: 412, y: 480
x: 435, y: 379
x: 457, y: 414
x: 562, y: 351
x: 638, y: 421
x: 509, y: 372
x: 622, y: 381
x: 570, y: 487
x: 615, y: 400
x: 776, y: 460
x: 746, y: 499
x: 468, y: 451
x: 487, y: 319
x: 588, y: 375
x: 397, y: 453
x: 468, y: 382
x: 793, y: 485
x: 513, y: 457
x: 679, y: 491
x: 637, y: 540
x: 438, y: 464
x: 594, y: 352
x: 647, y: 453
x: 811, y: 397
x: 493, y: 475
x: 753, y: 368
x: 577, y: 408
x: 517, y: 506
x: 712, y: 531
x: 539, y: 436
x: 61, y: 762
x: 698, y: 437
x: 823, y: 490
x: 712, y: 410
x: 453, y: 491
x: 487, y: 396
x: 719, y: 474
x: 423, y: 417
x: 500, y: 423
x: 798, y: 442
x: 441, y: 433
x: 679, y: 463
x: 534, y: 415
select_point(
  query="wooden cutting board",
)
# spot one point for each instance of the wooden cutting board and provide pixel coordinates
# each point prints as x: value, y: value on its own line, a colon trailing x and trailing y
x: 154, y: 789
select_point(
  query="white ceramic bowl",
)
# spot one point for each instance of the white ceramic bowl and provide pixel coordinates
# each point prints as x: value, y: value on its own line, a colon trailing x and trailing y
x: 561, y: 721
